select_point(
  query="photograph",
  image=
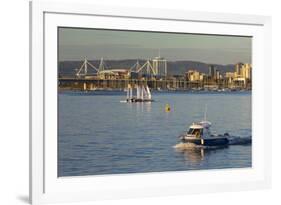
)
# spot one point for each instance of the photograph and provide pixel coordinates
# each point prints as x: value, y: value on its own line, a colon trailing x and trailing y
x: 135, y: 101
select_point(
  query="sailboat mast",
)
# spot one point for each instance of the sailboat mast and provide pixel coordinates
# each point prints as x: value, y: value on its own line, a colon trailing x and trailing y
x: 205, y: 114
x: 128, y: 91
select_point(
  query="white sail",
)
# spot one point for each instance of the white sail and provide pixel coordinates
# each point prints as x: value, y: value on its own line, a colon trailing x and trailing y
x: 142, y: 92
x: 148, y: 93
x: 145, y: 93
x: 128, y: 93
x: 138, y: 92
x: 131, y: 92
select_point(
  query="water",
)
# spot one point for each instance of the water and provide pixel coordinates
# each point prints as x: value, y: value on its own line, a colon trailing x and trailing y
x: 99, y: 135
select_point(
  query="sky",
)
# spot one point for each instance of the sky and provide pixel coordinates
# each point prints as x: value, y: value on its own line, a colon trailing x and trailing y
x: 76, y: 44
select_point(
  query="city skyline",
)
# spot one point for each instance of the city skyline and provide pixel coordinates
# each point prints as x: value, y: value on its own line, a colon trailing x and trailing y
x: 75, y: 44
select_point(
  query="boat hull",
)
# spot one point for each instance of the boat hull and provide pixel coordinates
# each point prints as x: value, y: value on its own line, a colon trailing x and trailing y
x: 208, y: 142
x: 139, y: 100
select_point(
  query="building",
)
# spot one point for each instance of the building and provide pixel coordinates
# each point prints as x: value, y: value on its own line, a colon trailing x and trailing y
x: 193, y: 75
x: 217, y: 75
x: 242, y: 75
x: 114, y: 74
x: 229, y: 75
x: 238, y: 68
x: 246, y: 71
x: 212, y: 72
x: 202, y: 77
x: 159, y: 66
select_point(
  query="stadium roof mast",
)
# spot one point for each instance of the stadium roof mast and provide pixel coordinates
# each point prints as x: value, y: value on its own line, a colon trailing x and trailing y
x: 83, y: 70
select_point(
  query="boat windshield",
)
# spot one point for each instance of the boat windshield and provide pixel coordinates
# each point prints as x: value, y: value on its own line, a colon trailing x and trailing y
x: 196, y: 132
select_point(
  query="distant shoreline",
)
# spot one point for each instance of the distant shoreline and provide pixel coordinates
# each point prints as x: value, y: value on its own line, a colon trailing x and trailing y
x: 160, y: 91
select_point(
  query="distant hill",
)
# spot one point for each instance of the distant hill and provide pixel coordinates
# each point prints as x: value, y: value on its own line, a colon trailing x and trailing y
x: 69, y: 68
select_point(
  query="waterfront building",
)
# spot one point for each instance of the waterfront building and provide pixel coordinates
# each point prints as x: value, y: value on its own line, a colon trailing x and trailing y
x: 193, y: 75
x: 114, y: 74
x: 242, y: 74
x: 202, y: 77
x: 229, y: 75
x: 217, y: 75
x: 212, y: 71
x: 246, y: 71
x: 238, y: 69
x: 159, y: 65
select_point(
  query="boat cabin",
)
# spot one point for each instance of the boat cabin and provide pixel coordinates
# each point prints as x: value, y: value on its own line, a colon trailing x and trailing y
x: 199, y: 130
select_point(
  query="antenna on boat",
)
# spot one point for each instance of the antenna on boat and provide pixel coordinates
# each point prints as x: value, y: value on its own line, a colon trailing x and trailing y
x: 205, y: 114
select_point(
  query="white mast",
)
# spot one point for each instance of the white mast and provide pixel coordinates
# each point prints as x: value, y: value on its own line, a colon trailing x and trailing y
x: 101, y: 66
x: 205, y: 114
x: 142, y: 92
x: 86, y: 66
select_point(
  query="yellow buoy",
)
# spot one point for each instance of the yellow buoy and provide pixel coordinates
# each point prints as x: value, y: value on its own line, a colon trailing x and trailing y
x: 167, y: 108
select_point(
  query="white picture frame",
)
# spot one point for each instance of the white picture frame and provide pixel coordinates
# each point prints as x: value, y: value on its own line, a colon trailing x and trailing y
x: 46, y: 187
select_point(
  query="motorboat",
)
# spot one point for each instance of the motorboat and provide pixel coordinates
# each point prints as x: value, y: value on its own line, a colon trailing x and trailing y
x: 200, y: 134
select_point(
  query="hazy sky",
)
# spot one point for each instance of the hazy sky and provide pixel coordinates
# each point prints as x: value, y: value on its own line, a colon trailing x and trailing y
x: 76, y: 44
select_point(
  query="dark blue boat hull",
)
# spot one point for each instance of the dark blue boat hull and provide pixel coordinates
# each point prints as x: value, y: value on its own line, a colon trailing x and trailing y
x: 208, y: 142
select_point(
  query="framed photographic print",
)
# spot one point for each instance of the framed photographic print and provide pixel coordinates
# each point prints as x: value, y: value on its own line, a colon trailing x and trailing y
x: 132, y: 104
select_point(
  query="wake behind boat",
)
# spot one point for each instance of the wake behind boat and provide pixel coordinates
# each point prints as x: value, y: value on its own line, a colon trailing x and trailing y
x: 138, y: 94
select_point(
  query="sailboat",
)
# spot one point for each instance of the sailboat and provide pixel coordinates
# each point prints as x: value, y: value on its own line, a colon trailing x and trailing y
x: 141, y: 94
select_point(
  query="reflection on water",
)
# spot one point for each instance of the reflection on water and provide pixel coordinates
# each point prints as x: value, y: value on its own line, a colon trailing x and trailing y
x: 99, y: 135
x: 196, y: 153
x: 141, y: 107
